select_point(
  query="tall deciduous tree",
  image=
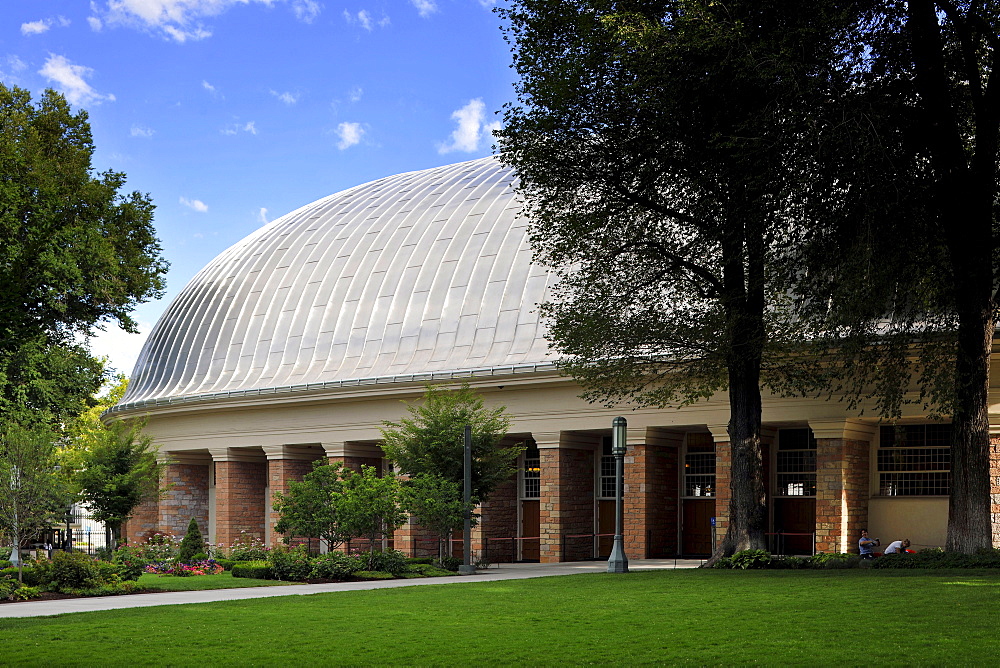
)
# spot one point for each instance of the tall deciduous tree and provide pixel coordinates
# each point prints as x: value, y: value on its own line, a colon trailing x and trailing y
x: 932, y: 85
x: 118, y: 472
x: 31, y: 493
x: 368, y: 506
x: 666, y: 156
x: 437, y: 505
x: 75, y: 254
x: 311, y: 506
x: 432, y: 440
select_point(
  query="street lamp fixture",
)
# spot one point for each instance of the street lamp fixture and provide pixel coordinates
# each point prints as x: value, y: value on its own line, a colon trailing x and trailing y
x: 618, y: 562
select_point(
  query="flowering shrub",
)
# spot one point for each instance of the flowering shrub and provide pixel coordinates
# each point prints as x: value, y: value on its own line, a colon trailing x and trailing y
x: 205, y: 567
x: 245, y: 548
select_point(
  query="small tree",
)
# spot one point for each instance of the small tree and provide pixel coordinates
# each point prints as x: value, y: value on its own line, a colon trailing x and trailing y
x: 431, y: 440
x: 192, y: 544
x: 310, y: 507
x: 119, y: 472
x: 31, y: 494
x: 436, y: 504
x: 368, y: 506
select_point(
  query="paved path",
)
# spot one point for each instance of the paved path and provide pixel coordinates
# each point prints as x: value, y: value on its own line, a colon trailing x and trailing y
x: 503, y: 572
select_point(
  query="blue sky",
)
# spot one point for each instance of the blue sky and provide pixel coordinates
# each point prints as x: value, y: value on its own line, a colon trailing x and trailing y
x: 231, y: 113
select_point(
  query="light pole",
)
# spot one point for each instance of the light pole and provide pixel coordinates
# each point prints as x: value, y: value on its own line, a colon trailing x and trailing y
x: 467, y: 568
x: 15, y: 493
x: 618, y: 562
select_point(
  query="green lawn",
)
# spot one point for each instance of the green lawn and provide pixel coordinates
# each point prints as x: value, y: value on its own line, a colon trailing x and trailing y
x: 805, y: 618
x: 197, y: 582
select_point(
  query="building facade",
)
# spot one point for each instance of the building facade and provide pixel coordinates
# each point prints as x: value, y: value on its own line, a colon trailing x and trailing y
x: 300, y: 341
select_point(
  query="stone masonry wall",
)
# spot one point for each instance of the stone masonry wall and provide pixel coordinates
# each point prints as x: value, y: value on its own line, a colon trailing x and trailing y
x: 723, y: 491
x: 842, y: 493
x: 566, y: 505
x: 651, y: 497
x: 239, y: 499
x: 498, y: 519
x: 995, y: 488
x: 145, y: 521
x: 280, y: 472
x: 186, y: 498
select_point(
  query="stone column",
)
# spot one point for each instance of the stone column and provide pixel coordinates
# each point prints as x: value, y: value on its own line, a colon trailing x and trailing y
x: 354, y: 455
x: 995, y: 482
x: 498, y: 519
x: 843, y: 482
x: 240, y: 484
x: 566, y: 503
x: 723, y: 471
x: 186, y: 474
x: 285, y: 464
x: 651, y: 493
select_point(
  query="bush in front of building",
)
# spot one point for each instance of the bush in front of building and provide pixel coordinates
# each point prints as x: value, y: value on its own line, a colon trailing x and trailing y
x: 373, y: 575
x: 192, y: 545
x: 937, y: 558
x: 291, y: 564
x: 227, y: 564
x: 12, y: 590
x: 245, y: 548
x: 336, y: 566
x: 257, y: 570
x: 834, y: 560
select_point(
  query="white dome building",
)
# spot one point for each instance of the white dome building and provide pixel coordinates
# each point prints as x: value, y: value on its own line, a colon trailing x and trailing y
x: 299, y: 341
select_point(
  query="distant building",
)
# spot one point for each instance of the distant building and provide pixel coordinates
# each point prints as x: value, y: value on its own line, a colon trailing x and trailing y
x: 298, y: 342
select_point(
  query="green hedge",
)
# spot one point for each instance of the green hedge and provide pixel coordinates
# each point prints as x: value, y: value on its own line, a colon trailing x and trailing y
x: 257, y: 570
x: 939, y: 559
x: 227, y: 564
x: 373, y: 575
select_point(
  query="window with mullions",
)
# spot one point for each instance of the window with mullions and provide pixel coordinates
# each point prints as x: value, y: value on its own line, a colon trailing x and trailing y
x: 914, y: 460
x: 795, y: 463
x: 609, y: 477
x: 699, y: 465
x: 531, y: 474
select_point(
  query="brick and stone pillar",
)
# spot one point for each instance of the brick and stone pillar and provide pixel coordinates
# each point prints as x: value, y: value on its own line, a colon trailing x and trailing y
x: 995, y: 482
x: 285, y: 464
x: 497, y: 519
x: 186, y: 476
x: 240, y: 490
x: 145, y: 521
x: 566, y: 501
x: 723, y: 472
x: 354, y: 455
x: 843, y: 483
x: 651, y: 493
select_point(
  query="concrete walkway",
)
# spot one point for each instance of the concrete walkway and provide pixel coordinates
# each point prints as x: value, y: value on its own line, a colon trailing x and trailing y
x: 503, y: 572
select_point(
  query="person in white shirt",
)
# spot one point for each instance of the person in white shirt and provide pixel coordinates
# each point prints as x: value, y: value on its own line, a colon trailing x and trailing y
x: 897, y: 546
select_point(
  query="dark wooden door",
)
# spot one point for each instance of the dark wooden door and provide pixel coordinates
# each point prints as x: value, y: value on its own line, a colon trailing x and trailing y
x: 794, y: 516
x: 696, y: 529
x: 530, y: 531
x: 605, y: 525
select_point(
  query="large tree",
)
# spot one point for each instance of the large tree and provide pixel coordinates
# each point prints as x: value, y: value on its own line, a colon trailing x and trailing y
x: 666, y: 151
x: 431, y: 441
x: 76, y: 254
x: 911, y: 265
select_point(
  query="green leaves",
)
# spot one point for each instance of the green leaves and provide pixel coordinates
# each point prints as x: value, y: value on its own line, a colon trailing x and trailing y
x: 432, y: 440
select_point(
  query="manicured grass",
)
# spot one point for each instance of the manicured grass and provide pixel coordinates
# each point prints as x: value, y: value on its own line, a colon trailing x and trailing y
x: 198, y: 582
x: 803, y: 618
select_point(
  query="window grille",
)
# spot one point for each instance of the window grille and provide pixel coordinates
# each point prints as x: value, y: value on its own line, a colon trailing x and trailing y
x: 531, y: 474
x: 914, y: 460
x: 699, y: 465
x: 795, y: 463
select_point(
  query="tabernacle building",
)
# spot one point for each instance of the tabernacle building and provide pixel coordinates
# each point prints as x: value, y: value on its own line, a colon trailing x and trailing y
x: 295, y: 344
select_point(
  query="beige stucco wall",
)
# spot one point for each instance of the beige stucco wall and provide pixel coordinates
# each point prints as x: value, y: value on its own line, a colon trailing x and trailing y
x: 922, y: 519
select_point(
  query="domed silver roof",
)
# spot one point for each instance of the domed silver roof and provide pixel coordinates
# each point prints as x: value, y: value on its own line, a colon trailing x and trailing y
x: 414, y: 276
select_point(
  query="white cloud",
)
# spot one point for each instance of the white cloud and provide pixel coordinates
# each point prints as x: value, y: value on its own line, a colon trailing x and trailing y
x: 121, y: 348
x: 365, y: 19
x: 35, y: 27
x: 9, y: 67
x: 262, y: 215
x: 182, y: 20
x: 236, y: 128
x: 195, y: 204
x: 355, y: 94
x: 142, y: 131
x: 470, y: 130
x: 70, y: 79
x: 425, y: 7
x: 349, y: 134
x: 306, y: 10
x: 95, y: 23
x: 286, y: 97
x: 63, y: 21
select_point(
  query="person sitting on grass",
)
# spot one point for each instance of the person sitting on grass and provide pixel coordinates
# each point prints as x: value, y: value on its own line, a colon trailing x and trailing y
x: 897, y: 546
x: 867, y: 545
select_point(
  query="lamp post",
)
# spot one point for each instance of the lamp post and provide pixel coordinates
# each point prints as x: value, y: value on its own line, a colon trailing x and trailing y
x: 618, y: 562
x: 467, y: 568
